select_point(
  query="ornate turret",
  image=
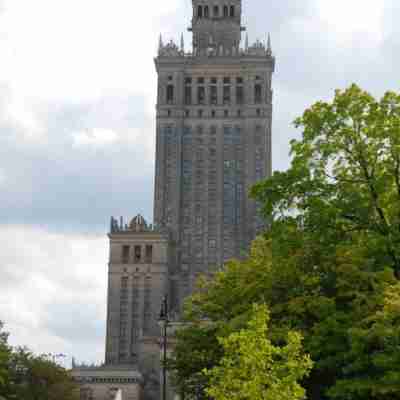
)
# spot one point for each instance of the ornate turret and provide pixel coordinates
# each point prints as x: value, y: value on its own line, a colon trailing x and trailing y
x: 217, y: 32
x: 216, y: 26
x: 137, y: 224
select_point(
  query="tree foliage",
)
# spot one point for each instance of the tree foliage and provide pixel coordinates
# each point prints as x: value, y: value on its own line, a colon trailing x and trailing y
x: 253, y: 368
x: 39, y: 378
x: 345, y: 174
x: 25, y: 376
x: 328, y: 266
x: 4, y: 359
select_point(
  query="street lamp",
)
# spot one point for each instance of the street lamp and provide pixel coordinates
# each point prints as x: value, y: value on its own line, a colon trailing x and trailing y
x: 165, y: 321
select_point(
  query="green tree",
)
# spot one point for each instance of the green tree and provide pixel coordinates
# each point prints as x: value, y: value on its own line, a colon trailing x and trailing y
x: 38, y: 378
x: 336, y: 217
x: 329, y: 259
x: 345, y: 175
x: 373, y: 362
x: 253, y: 368
x: 25, y: 376
x: 4, y: 360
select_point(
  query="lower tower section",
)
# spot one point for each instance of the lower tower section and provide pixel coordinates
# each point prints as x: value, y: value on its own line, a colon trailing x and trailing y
x: 137, y: 282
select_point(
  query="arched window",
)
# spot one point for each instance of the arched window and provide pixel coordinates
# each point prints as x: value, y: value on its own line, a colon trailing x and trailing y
x: 170, y: 94
x: 216, y: 11
x: 257, y: 94
x: 206, y: 12
x: 232, y: 11
x: 226, y: 14
x: 200, y: 12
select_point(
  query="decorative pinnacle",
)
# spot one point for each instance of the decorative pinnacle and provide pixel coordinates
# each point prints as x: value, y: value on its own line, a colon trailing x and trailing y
x: 269, y: 46
x: 160, y: 45
x: 182, y: 43
x: 247, y: 42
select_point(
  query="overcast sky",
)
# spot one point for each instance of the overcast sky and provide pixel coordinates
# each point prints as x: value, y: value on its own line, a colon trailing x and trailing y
x: 77, y: 108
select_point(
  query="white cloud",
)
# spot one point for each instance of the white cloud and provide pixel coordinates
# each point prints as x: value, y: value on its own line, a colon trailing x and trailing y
x: 347, y: 17
x: 57, y: 49
x: 94, y: 138
x: 53, y: 290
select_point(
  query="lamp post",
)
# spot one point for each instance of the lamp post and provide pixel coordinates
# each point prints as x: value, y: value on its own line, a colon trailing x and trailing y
x: 164, y: 320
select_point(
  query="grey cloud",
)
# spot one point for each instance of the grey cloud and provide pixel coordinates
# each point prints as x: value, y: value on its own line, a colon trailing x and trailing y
x: 75, y: 322
x: 58, y: 184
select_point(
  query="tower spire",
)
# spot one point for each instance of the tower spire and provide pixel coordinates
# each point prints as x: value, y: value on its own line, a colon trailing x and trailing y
x: 269, y: 46
x: 182, y: 44
x: 247, y: 42
x: 160, y: 44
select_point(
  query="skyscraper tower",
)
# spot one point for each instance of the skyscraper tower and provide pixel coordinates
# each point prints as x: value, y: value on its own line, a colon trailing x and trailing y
x: 214, y: 112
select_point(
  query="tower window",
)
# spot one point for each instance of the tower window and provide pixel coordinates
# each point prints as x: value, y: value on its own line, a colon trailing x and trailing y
x: 239, y: 95
x: 149, y: 254
x: 213, y: 95
x: 169, y: 113
x: 257, y: 94
x: 258, y: 112
x: 226, y: 11
x: 170, y: 94
x: 125, y: 254
x: 200, y: 113
x: 226, y: 113
x: 212, y: 243
x: 200, y: 11
x: 206, y: 12
x: 200, y: 95
x: 188, y: 95
x: 138, y: 254
x: 232, y: 11
x: 188, y: 81
x: 216, y: 11
x: 227, y: 94
x: 213, y: 113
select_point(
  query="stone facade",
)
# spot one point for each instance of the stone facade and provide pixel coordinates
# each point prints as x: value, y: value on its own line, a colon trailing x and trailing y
x: 214, y: 114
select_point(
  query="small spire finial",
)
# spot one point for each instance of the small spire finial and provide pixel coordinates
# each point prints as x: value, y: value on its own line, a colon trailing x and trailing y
x: 182, y: 43
x: 269, y: 45
x: 247, y: 42
x: 160, y: 44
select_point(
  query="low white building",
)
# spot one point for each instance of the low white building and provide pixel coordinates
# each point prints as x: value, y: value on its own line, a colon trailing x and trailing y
x: 103, y: 383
